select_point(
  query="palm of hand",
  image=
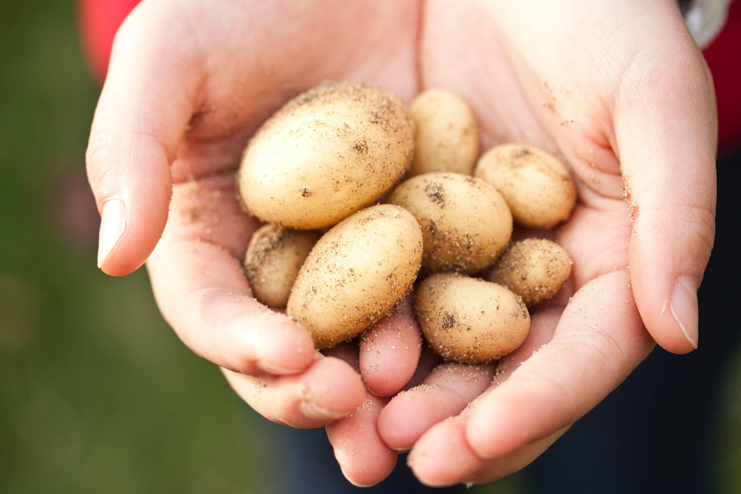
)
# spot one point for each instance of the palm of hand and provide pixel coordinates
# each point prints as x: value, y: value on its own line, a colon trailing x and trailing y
x: 228, y: 84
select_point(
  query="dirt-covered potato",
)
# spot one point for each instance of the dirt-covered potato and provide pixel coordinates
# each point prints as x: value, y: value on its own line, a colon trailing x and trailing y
x: 470, y: 320
x: 357, y: 273
x: 274, y: 256
x: 538, y: 187
x: 326, y: 154
x: 447, y: 133
x: 465, y: 222
x: 534, y: 269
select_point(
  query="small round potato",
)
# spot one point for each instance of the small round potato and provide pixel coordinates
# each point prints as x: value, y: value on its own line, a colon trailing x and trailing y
x: 534, y: 269
x: 469, y: 320
x: 465, y: 222
x: 274, y: 256
x: 326, y: 154
x: 447, y: 133
x: 357, y: 273
x: 538, y: 187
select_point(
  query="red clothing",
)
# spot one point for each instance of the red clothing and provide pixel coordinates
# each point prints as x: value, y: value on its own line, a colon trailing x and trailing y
x: 724, y: 58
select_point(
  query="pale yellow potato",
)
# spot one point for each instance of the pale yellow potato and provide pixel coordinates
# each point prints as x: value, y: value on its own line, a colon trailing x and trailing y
x: 357, y: 272
x: 537, y: 186
x: 465, y: 222
x: 470, y: 320
x: 326, y: 154
x: 447, y: 133
x: 273, y: 259
x: 534, y: 269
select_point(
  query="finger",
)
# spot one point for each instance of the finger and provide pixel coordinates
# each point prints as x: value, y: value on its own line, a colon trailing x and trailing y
x: 327, y: 390
x: 363, y: 457
x: 599, y: 340
x: 444, y: 393
x: 202, y: 292
x: 665, y: 130
x: 389, y: 352
x: 442, y: 457
x: 144, y: 108
x: 451, y: 387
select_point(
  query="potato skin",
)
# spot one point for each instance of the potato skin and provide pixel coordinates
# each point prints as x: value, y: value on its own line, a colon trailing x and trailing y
x: 357, y: 273
x: 534, y: 269
x: 465, y: 222
x: 273, y: 259
x: 447, y: 133
x: 537, y: 186
x: 326, y: 154
x: 470, y: 320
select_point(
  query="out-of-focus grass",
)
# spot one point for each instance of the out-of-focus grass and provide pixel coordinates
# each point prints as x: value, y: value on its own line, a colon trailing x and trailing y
x: 96, y: 392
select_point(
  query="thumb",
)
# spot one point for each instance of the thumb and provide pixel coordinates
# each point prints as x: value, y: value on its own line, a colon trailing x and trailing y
x: 143, y: 111
x: 666, y: 134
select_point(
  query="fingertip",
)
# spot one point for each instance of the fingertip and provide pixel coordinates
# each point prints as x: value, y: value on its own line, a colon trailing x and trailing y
x: 442, y: 456
x: 684, y: 310
x: 390, y: 352
x: 125, y: 245
x: 676, y: 329
x: 507, y: 419
x: 363, y: 457
x: 130, y: 178
x: 480, y: 430
x: 284, y: 348
x: 344, y: 396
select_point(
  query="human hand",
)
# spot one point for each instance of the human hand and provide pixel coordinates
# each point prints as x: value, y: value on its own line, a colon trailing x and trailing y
x: 621, y: 92
x: 189, y: 82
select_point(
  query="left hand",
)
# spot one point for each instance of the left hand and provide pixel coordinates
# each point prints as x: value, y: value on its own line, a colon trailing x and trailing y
x: 620, y: 91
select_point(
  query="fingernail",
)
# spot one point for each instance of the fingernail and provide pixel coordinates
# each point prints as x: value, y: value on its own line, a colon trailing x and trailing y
x: 315, y: 412
x: 402, y: 450
x: 266, y: 366
x: 683, y: 305
x: 356, y: 484
x: 310, y: 409
x: 112, y: 226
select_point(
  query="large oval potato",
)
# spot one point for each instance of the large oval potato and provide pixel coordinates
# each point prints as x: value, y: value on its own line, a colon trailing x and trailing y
x: 273, y: 259
x: 534, y: 268
x: 470, y: 320
x: 537, y: 186
x: 357, y: 272
x: 447, y: 133
x: 465, y: 222
x: 326, y: 154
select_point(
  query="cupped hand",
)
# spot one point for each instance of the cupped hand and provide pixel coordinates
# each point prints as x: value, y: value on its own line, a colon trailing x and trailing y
x: 620, y: 91
x: 189, y: 82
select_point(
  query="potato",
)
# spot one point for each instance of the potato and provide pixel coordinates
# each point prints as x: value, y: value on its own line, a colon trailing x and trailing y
x: 447, y: 133
x: 326, y: 154
x: 357, y: 272
x: 272, y: 261
x: 534, y: 269
x: 465, y: 222
x: 538, y: 187
x: 470, y: 320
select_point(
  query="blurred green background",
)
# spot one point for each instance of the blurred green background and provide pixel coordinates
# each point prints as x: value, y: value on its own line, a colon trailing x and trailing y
x: 96, y: 392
